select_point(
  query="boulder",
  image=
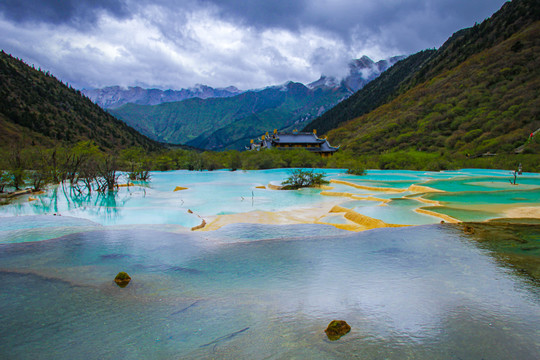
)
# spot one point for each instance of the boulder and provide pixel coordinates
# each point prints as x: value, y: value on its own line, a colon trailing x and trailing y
x: 122, y: 279
x: 336, y: 329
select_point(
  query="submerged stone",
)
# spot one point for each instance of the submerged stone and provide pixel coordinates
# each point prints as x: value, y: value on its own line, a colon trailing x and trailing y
x: 122, y: 279
x: 336, y: 329
x: 468, y: 229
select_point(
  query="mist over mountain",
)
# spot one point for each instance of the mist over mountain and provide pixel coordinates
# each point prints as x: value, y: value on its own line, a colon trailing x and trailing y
x: 361, y: 72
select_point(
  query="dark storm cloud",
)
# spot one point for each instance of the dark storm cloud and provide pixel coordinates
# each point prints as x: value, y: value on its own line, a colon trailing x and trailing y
x: 249, y: 43
x: 72, y: 12
x: 431, y: 20
x: 263, y: 14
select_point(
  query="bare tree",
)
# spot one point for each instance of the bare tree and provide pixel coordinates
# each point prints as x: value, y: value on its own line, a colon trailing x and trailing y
x: 107, y: 177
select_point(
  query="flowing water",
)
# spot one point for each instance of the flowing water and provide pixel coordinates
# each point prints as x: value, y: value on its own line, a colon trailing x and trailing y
x: 254, y: 291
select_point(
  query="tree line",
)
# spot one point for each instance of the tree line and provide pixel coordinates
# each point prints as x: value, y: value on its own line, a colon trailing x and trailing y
x: 86, y: 168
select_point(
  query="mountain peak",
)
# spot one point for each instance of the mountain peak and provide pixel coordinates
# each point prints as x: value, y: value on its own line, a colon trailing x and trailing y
x: 364, y: 61
x: 361, y: 71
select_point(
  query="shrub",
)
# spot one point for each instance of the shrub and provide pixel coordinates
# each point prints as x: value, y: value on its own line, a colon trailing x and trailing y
x: 356, y: 171
x: 300, y: 178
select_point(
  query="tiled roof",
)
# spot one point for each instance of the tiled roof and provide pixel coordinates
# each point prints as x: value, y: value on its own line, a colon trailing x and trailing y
x: 313, y: 143
x: 300, y: 138
x: 326, y: 147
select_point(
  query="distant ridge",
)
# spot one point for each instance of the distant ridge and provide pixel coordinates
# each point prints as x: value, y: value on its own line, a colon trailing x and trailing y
x: 36, y: 108
x: 361, y: 72
x: 113, y: 97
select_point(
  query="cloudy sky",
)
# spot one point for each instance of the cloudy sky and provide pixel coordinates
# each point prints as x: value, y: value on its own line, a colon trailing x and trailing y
x: 244, y: 43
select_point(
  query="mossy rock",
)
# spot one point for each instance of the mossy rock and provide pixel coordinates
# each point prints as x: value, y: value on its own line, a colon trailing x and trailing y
x: 336, y: 329
x: 468, y: 229
x: 122, y: 279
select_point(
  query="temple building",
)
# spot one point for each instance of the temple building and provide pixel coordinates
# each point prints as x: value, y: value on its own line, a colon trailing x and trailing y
x: 283, y: 141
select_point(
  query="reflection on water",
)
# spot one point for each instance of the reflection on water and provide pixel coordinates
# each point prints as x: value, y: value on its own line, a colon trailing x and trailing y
x: 424, y: 293
x: 64, y: 198
x: 469, y: 195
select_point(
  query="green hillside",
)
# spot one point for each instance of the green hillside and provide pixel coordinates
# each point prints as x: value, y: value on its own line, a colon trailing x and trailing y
x: 36, y: 108
x: 478, y: 93
x: 229, y: 123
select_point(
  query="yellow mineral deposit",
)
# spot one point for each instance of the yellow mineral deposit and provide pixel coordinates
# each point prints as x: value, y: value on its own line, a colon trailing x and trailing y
x: 444, y: 217
x: 523, y: 212
x: 363, y: 187
x: 284, y: 217
x: 422, y: 189
x: 354, y: 196
x: 363, y: 221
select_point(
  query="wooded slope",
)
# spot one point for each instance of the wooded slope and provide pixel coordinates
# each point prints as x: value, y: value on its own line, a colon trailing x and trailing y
x: 479, y: 92
x: 36, y: 108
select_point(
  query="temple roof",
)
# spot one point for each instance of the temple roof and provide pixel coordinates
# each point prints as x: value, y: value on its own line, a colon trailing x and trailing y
x: 310, y: 140
x: 326, y: 147
x: 296, y: 138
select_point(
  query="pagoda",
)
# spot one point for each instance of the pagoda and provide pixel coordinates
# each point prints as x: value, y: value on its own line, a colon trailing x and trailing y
x: 294, y: 140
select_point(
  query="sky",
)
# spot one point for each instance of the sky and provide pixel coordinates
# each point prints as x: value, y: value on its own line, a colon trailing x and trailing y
x: 171, y: 44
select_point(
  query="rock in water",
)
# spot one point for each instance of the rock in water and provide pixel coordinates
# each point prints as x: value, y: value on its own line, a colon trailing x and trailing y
x: 122, y: 279
x: 336, y: 329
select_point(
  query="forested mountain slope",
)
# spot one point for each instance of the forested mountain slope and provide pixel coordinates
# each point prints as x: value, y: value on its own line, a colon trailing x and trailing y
x: 479, y: 92
x: 36, y: 108
x: 488, y: 103
x: 229, y: 123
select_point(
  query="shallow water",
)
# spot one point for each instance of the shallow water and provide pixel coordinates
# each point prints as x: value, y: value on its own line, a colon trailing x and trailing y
x: 251, y: 291
x: 525, y: 197
x: 226, y: 192
x: 423, y: 292
x: 397, y: 211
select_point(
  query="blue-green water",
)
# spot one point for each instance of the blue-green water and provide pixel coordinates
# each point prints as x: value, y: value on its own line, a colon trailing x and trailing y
x: 397, y: 211
x: 251, y: 291
x: 525, y: 197
x: 423, y: 293
x: 227, y: 192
